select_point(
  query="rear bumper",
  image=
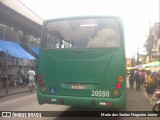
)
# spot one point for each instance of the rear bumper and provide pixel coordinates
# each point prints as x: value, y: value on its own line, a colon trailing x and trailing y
x: 116, y: 103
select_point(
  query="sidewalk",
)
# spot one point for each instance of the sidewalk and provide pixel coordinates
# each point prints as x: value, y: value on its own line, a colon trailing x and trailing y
x: 13, y: 90
x: 154, y: 99
x: 143, y: 90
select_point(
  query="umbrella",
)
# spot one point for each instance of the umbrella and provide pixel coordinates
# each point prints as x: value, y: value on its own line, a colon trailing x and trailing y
x: 138, y: 66
x: 130, y: 68
x: 152, y: 64
x: 152, y: 68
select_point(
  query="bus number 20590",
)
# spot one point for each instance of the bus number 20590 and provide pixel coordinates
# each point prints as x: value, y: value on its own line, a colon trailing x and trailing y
x: 100, y: 93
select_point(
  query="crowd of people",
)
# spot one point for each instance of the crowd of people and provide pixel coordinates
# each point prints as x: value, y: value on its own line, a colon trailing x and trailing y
x: 145, y: 79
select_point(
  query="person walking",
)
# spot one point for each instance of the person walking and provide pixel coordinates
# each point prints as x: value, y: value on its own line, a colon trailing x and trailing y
x: 131, y: 79
x: 137, y: 79
x: 20, y: 74
x: 142, y: 78
x: 150, y: 85
x: 157, y: 80
x: 31, y: 77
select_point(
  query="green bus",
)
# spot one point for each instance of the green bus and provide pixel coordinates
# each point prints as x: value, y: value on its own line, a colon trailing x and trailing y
x: 82, y: 62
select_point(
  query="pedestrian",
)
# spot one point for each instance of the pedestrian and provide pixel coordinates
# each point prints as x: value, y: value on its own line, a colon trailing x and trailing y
x: 157, y: 79
x: 31, y: 77
x: 137, y: 79
x: 131, y: 79
x: 142, y: 78
x: 20, y: 74
x: 150, y: 85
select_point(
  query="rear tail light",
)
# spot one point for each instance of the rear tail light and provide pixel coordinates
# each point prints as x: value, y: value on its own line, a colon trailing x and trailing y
x: 120, y: 79
x: 41, y: 82
x: 118, y: 85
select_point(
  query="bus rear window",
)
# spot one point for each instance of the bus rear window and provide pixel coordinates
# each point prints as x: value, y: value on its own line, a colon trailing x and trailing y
x: 82, y: 33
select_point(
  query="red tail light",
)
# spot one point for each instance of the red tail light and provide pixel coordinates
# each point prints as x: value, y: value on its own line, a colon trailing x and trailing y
x: 118, y: 85
x: 108, y: 103
x: 41, y: 82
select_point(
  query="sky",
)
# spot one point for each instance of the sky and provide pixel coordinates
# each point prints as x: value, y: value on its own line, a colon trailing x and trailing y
x: 137, y: 15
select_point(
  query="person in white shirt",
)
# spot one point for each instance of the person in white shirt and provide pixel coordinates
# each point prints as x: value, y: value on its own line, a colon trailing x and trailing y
x: 31, y: 77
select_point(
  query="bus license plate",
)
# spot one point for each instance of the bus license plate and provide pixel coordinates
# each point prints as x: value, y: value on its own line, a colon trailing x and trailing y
x: 78, y: 87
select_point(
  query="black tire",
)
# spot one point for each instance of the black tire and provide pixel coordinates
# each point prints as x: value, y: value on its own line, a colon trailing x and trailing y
x: 156, y: 108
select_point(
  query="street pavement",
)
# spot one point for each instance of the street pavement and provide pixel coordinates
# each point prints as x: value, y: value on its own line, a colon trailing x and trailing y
x: 12, y: 90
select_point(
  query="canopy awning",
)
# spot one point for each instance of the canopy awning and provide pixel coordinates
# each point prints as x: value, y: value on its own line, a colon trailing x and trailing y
x: 138, y: 66
x: 15, y: 50
x: 152, y: 64
x: 35, y: 50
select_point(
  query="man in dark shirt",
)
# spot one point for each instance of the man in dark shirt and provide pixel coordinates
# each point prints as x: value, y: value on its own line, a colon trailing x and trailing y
x: 137, y: 78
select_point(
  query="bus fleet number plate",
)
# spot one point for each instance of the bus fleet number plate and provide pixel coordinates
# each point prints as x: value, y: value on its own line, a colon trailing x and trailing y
x: 100, y: 93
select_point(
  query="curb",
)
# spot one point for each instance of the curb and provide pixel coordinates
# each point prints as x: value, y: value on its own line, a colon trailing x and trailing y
x: 9, y: 94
